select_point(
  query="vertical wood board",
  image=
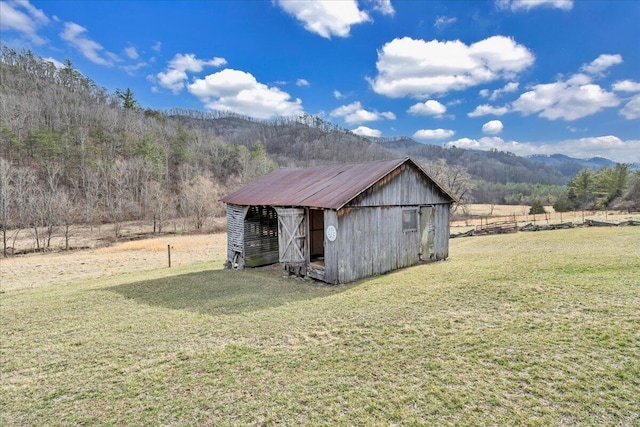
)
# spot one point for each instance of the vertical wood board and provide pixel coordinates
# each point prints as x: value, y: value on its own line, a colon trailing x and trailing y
x: 406, y: 187
x: 292, y: 235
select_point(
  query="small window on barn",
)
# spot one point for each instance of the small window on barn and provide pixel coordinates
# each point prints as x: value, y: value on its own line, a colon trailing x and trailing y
x: 410, y: 220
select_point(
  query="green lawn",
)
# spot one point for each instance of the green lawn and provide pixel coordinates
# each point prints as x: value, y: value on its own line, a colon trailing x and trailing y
x: 522, y: 329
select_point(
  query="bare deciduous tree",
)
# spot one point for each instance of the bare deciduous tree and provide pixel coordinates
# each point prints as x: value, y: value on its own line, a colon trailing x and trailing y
x: 455, y: 179
x: 6, y: 172
x: 66, y: 213
x: 161, y: 203
x: 198, y: 200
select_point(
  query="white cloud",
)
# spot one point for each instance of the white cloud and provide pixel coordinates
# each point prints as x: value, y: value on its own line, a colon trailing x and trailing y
x: 338, y: 95
x: 384, y: 6
x: 508, y: 88
x: 365, y: 131
x: 131, y: 52
x: 326, y: 18
x: 486, y: 109
x: 632, y: 109
x: 574, y: 129
x: 59, y: 65
x: 486, y: 144
x: 433, y: 134
x: 112, y: 57
x: 444, y: 21
x: 354, y: 113
x: 428, y: 108
x: 492, y: 127
x: 302, y: 82
x: 573, y: 98
x: 131, y: 69
x: 240, y: 92
x: 626, y: 86
x: 23, y: 17
x: 189, y: 62
x: 609, y: 146
x: 518, y: 5
x: 172, y: 79
x: 409, y: 67
x: 176, y: 74
x: 601, y: 63
x: 564, y: 100
x: 157, y: 46
x: 74, y: 34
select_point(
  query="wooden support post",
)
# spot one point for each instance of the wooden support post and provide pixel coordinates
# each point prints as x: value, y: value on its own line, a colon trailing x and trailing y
x: 169, y: 254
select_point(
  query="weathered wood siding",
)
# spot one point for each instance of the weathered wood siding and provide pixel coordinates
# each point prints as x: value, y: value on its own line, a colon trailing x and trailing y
x: 331, y: 249
x: 405, y: 186
x: 443, y: 214
x: 235, y: 234
x: 292, y: 235
x: 370, y: 241
x: 260, y: 236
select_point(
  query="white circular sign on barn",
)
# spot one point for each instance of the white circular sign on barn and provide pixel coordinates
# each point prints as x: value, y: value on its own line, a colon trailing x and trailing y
x: 331, y: 233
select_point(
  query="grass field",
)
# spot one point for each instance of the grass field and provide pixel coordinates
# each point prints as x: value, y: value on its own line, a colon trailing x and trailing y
x: 520, y: 329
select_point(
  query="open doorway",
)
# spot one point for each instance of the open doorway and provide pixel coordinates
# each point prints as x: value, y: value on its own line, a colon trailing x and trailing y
x: 316, y: 236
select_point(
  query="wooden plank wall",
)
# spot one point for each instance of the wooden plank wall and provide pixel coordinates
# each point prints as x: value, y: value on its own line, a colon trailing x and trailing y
x: 331, y: 249
x: 371, y: 241
x: 235, y: 234
x: 292, y: 235
x: 441, y: 241
x: 404, y: 187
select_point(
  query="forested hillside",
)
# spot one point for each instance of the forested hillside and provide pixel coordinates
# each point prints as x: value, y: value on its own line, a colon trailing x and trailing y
x: 71, y: 152
x: 569, y: 166
x: 300, y: 141
x: 490, y: 166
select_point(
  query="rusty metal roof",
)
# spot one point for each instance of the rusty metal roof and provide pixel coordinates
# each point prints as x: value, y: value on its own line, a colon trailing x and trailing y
x: 329, y: 187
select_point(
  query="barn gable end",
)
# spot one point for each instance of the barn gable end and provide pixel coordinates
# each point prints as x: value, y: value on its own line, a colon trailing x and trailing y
x: 404, y: 186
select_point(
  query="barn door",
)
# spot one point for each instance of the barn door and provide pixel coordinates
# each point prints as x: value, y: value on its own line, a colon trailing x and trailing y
x: 292, y: 235
x: 428, y: 231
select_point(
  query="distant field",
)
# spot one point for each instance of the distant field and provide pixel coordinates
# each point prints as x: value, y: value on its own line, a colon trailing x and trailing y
x: 520, y: 329
x: 483, y: 213
x: 97, y: 237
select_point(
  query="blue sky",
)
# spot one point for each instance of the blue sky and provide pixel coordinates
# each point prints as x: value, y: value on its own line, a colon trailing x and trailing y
x: 530, y: 77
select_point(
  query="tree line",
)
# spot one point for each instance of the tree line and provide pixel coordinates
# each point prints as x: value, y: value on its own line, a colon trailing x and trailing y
x: 610, y: 187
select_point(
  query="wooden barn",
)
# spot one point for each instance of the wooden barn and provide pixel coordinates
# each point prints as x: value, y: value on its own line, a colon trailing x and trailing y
x: 340, y: 223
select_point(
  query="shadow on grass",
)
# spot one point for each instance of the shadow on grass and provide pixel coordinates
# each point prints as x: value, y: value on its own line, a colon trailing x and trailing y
x: 225, y: 292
